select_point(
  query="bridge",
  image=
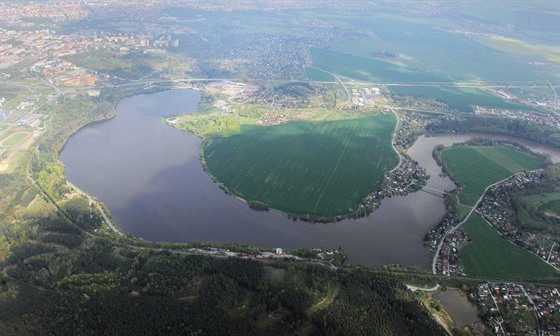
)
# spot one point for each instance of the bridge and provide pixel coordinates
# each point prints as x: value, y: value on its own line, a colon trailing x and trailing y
x: 435, y: 192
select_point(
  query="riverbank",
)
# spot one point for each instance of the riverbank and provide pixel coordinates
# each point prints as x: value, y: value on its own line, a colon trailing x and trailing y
x: 169, y: 197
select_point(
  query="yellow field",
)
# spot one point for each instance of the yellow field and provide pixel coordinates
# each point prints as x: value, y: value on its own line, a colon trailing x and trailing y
x: 516, y: 46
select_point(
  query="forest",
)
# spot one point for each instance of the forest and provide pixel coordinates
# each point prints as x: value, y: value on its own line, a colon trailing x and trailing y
x: 116, y: 290
x: 543, y: 134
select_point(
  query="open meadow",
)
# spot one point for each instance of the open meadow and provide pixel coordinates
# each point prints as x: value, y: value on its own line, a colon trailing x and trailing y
x: 457, y: 98
x: 537, y: 212
x: 318, y: 75
x: 545, y: 203
x: 478, y: 167
x: 320, y: 169
x: 528, y: 222
x: 368, y: 69
x: 490, y: 255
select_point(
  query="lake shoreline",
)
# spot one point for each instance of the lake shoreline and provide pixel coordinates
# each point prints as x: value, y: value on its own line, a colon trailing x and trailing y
x: 362, y: 208
x: 151, y: 177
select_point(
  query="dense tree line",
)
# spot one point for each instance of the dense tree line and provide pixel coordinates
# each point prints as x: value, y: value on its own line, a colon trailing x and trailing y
x: 542, y: 134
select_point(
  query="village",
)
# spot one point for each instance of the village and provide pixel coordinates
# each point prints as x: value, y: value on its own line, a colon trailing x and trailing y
x: 530, y: 98
x: 549, y: 119
x: 411, y: 126
x: 496, y: 208
x: 518, y: 309
x: 407, y: 178
x: 447, y: 262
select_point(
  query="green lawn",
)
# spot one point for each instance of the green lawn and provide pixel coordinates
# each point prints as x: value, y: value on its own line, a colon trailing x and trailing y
x: 478, y: 167
x: 536, y: 200
x: 490, y: 255
x: 546, y: 204
x: 323, y: 169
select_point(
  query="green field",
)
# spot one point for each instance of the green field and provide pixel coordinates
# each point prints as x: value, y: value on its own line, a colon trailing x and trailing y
x: 368, y: 69
x: 430, y: 47
x: 550, y: 207
x: 319, y: 75
x: 323, y: 169
x: 544, y: 203
x: 478, y: 167
x: 130, y: 66
x: 490, y: 255
x: 457, y: 98
x: 530, y: 223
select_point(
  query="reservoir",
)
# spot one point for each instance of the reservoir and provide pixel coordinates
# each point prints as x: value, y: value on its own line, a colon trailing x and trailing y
x: 150, y: 176
x: 456, y: 303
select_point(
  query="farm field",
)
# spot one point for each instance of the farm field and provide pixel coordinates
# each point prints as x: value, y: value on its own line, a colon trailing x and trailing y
x: 457, y: 98
x: 320, y: 169
x: 490, y: 255
x: 432, y: 48
x: 368, y: 69
x: 477, y: 167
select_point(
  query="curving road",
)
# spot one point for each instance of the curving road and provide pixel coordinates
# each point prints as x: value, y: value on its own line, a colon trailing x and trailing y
x: 440, y: 245
x: 99, y: 208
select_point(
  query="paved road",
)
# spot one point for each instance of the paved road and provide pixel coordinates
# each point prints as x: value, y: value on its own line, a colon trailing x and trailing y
x: 436, y: 255
x: 99, y: 208
x: 397, y: 125
x: 344, y: 86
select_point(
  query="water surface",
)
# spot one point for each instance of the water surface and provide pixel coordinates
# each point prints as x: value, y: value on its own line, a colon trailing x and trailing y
x: 458, y: 306
x: 149, y: 175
